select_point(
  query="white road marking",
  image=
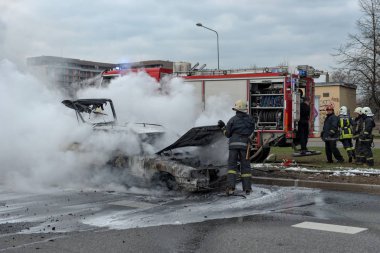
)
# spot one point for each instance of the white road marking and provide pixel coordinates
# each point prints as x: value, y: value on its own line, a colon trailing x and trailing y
x: 329, y: 227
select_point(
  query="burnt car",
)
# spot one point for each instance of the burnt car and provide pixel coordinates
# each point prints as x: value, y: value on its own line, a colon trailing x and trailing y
x: 186, y: 164
x: 101, y: 114
x: 195, y: 162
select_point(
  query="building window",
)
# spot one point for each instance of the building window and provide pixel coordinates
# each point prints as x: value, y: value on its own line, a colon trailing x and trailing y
x: 326, y: 94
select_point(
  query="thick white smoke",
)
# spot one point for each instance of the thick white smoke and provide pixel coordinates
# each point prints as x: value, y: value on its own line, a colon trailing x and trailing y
x: 37, y: 129
x: 137, y: 97
x: 34, y: 128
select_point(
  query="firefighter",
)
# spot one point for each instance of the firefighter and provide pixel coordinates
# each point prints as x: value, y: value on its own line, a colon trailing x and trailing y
x: 345, y: 129
x: 303, y: 124
x: 366, y: 138
x: 357, y: 127
x: 330, y: 135
x: 239, y: 130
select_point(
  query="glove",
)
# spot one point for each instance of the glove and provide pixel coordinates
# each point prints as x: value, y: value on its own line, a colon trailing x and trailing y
x: 221, y: 124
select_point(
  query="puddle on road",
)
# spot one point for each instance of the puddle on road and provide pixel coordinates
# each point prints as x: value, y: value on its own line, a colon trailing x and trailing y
x: 73, y: 211
x: 214, y: 206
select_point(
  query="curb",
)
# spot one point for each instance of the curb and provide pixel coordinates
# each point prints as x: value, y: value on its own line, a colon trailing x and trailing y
x: 365, y: 188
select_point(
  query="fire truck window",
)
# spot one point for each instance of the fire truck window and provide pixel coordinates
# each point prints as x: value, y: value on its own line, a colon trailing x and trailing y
x: 327, y: 94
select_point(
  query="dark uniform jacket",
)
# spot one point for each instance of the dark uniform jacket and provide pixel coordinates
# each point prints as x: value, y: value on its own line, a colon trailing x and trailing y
x: 358, y: 125
x: 368, y: 125
x: 238, y: 130
x: 330, y: 127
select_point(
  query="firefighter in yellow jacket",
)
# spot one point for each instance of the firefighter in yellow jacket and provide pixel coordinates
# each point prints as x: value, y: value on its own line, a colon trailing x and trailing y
x: 345, y: 128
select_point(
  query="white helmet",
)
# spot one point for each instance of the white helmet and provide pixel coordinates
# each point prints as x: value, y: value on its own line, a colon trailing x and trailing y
x: 343, y: 110
x: 358, y: 110
x: 367, y: 111
x: 240, y: 106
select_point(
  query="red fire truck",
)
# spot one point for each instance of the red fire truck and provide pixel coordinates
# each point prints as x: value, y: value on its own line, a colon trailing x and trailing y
x: 157, y: 73
x: 273, y: 95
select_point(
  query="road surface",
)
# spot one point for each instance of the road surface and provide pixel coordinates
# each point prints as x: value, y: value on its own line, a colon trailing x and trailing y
x: 272, y: 219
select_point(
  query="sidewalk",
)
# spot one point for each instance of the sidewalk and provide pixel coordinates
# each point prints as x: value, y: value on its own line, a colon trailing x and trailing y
x: 334, y: 186
x: 343, y: 179
x: 317, y: 142
x: 365, y: 180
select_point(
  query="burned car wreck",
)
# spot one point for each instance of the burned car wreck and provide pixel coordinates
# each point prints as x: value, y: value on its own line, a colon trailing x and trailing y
x: 191, y: 169
x: 184, y: 165
x: 101, y: 114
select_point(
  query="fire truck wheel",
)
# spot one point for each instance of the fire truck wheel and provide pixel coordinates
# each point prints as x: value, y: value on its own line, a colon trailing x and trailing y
x: 259, y: 157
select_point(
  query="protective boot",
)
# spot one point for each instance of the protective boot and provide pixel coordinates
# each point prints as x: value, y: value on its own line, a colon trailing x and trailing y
x: 231, y: 181
x: 359, y: 160
x: 246, y: 176
x: 230, y: 191
x: 350, y: 155
x: 370, y: 162
x: 246, y: 182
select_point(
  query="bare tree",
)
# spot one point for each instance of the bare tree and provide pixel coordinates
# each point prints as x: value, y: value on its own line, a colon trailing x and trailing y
x: 360, y: 56
x: 343, y: 76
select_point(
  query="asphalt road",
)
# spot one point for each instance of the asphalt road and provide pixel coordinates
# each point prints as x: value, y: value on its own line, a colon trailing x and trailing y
x: 141, y: 220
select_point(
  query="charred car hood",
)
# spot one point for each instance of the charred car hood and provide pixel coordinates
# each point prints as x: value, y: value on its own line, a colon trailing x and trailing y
x: 82, y: 105
x: 197, y: 136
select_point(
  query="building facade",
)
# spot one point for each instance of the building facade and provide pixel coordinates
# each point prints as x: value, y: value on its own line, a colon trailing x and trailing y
x: 64, y: 72
x: 68, y: 73
x: 335, y: 94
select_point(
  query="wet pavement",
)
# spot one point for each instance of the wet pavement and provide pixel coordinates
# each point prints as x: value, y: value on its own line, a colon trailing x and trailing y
x: 69, y: 210
x: 142, y: 220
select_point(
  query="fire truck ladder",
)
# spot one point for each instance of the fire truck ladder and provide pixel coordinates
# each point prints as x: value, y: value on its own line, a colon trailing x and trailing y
x: 215, y: 72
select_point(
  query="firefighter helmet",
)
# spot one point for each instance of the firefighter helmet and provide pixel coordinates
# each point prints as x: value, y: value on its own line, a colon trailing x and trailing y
x: 367, y: 111
x: 343, y: 110
x: 240, y: 106
x: 358, y: 110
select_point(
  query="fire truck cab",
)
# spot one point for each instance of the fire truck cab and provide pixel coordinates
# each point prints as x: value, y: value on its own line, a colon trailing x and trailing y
x: 157, y: 73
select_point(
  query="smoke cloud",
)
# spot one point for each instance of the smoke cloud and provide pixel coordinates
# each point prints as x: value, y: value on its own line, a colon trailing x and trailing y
x: 38, y: 130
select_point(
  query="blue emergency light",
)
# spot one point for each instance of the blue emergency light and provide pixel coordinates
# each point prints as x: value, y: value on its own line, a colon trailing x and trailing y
x: 302, y: 73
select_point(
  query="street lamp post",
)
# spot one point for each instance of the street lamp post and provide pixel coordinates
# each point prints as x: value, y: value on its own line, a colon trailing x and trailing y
x: 217, y: 39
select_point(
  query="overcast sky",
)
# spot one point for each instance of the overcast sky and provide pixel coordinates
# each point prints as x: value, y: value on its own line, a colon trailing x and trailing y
x: 251, y: 32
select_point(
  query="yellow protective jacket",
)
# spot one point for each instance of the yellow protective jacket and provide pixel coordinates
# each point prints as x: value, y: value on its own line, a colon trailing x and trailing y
x: 345, y: 127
